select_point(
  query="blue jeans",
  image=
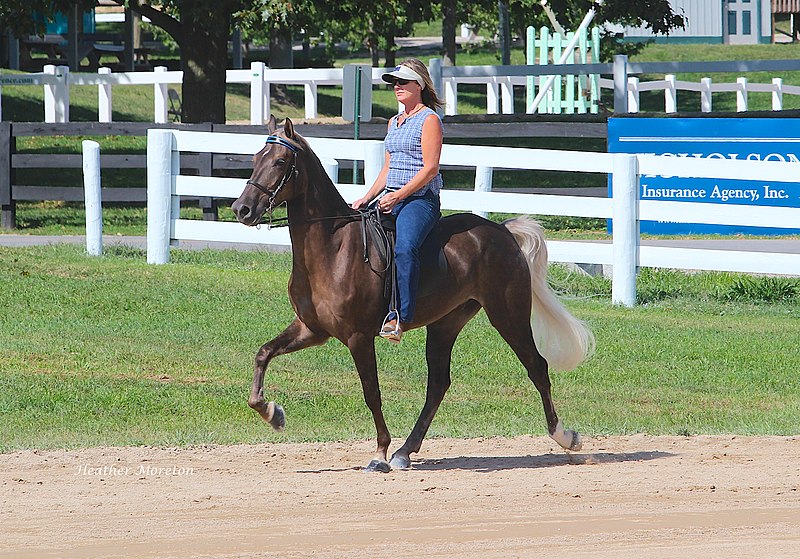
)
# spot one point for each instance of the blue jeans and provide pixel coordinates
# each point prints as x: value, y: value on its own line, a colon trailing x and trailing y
x: 416, y: 217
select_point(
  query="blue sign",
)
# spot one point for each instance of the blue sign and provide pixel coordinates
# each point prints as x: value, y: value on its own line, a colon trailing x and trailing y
x: 743, y: 139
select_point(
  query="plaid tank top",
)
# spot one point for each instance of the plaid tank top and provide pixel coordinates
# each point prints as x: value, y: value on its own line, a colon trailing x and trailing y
x: 404, y: 144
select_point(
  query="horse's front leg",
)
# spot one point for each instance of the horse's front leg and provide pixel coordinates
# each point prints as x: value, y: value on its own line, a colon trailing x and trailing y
x: 296, y: 336
x: 362, y: 348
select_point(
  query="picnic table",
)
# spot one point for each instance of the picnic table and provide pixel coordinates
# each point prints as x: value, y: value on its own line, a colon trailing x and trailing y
x: 92, y: 48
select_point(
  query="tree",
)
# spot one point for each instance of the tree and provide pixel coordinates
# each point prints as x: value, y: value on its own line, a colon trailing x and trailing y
x: 202, y: 29
x: 656, y: 15
x: 374, y: 24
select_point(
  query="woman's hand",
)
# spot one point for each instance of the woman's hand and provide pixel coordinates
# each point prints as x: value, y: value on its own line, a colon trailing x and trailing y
x: 387, y: 203
x: 360, y: 203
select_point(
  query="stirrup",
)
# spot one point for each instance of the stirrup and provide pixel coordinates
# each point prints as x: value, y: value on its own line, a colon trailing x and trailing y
x: 392, y: 333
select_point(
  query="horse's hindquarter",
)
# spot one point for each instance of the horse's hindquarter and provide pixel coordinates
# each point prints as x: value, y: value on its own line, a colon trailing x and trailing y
x: 481, y: 256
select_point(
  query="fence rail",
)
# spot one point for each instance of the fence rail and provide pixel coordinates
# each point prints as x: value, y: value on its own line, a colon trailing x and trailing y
x: 500, y: 82
x: 166, y: 186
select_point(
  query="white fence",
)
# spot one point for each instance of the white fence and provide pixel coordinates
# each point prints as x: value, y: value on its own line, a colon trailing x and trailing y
x: 498, y: 80
x: 671, y: 86
x: 165, y: 186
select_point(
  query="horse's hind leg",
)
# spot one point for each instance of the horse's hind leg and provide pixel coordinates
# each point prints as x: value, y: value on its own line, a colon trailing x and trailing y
x: 441, y: 336
x: 295, y: 337
x: 513, y: 323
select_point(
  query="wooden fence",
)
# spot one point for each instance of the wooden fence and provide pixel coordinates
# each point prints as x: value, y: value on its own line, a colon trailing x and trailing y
x: 206, y: 164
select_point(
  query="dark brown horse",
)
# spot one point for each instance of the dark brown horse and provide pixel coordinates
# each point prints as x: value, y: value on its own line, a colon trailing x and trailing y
x: 500, y: 268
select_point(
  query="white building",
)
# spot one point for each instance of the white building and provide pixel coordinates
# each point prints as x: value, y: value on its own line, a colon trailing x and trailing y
x: 734, y: 22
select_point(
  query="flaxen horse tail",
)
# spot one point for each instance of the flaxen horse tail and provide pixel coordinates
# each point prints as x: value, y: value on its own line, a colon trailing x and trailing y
x: 563, y: 340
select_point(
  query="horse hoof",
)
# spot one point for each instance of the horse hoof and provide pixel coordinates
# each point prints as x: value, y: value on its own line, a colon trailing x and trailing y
x: 378, y: 466
x: 567, y: 438
x: 577, y: 442
x: 400, y: 462
x: 277, y: 418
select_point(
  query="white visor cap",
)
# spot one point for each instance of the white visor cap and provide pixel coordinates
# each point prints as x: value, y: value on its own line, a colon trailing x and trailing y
x: 403, y: 73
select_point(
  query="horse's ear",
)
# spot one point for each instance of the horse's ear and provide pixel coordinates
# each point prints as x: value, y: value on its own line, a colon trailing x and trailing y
x: 272, y: 124
x: 288, y: 128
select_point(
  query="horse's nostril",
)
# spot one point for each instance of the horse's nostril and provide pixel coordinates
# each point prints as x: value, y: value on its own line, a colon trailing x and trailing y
x: 241, y: 210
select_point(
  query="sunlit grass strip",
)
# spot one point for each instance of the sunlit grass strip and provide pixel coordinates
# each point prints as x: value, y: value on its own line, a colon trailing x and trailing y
x: 111, y: 351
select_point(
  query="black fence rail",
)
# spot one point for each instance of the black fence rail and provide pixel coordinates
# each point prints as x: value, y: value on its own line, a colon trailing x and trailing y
x: 11, y: 191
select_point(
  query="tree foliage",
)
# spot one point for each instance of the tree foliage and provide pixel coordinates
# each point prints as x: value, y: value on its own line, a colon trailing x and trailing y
x: 201, y: 28
x: 17, y: 15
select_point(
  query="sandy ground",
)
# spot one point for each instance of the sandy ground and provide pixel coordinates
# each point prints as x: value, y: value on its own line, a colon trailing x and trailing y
x: 636, y: 496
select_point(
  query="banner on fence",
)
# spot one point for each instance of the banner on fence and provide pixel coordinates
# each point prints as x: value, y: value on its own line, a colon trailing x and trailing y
x: 744, y: 139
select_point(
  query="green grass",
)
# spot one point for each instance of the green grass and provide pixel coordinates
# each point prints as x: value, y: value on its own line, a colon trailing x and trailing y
x: 112, y: 351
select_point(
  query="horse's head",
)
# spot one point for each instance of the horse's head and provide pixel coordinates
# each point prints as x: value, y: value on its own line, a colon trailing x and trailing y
x: 274, y: 178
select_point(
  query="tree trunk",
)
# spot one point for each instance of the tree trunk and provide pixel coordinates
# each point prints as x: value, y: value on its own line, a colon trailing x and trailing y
x: 505, y: 33
x: 375, y: 55
x: 204, y: 60
x: 280, y: 48
x: 391, y: 51
x: 449, y: 32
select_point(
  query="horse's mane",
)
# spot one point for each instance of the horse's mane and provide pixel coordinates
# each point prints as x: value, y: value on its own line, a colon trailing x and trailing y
x: 317, y: 176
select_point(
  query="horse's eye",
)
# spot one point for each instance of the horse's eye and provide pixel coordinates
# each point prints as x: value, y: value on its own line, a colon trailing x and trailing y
x: 280, y: 162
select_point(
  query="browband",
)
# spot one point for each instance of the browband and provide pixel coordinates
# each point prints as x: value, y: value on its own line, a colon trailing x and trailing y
x: 283, y: 142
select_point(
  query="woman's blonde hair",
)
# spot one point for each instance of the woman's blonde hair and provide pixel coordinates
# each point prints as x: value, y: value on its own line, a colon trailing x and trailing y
x: 429, y: 96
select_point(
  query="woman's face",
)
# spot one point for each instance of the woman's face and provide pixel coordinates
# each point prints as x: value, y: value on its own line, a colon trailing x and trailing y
x: 407, y: 91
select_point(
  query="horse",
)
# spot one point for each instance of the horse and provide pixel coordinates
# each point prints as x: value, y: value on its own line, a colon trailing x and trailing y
x: 501, y: 268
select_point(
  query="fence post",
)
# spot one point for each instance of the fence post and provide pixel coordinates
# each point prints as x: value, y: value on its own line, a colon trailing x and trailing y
x: 257, y: 109
x: 331, y: 167
x: 633, y: 94
x: 92, y: 199
x: 374, y: 154
x: 741, y: 95
x: 159, y: 194
x: 670, y: 95
x: 161, y: 97
x: 620, y: 84
x: 483, y: 183
x: 777, y: 94
x: 310, y: 90
x: 507, y: 95
x: 594, y: 79
x: 435, y: 69
x: 104, y: 98
x: 56, y: 94
x: 625, y: 215
x: 705, y: 95
x: 451, y: 97
x: 8, y: 210
x: 492, y: 97
x: 530, y: 60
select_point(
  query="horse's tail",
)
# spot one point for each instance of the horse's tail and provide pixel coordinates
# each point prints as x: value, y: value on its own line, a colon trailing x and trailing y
x: 563, y: 340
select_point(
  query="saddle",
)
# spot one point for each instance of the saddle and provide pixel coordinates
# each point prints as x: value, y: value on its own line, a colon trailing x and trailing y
x: 378, y: 236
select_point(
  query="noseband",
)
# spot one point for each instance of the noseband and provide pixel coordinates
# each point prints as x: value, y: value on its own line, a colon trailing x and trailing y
x: 290, y: 172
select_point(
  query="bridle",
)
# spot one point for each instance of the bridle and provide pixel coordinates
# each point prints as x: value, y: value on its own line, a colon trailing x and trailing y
x: 291, y: 172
